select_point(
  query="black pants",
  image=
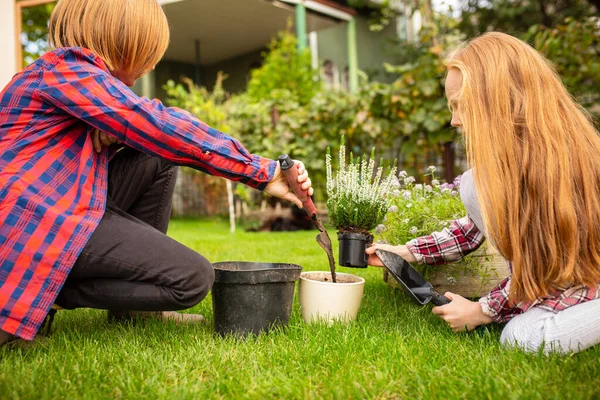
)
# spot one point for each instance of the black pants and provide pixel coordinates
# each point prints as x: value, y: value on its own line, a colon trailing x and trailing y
x: 129, y: 262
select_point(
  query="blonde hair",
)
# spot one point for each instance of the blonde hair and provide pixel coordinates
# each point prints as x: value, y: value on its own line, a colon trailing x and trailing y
x: 536, y: 159
x: 129, y: 35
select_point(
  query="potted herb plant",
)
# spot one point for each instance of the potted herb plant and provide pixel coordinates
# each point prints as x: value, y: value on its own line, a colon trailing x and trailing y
x: 357, y: 200
x: 419, y: 209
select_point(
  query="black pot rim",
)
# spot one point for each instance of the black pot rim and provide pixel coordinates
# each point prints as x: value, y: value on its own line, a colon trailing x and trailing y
x: 266, y: 266
x: 256, y: 273
x: 354, y: 236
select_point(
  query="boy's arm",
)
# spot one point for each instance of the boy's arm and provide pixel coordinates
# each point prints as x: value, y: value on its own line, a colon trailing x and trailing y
x: 451, y: 244
x: 94, y: 96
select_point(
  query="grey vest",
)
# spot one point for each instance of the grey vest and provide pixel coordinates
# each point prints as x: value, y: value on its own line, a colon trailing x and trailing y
x: 468, y: 196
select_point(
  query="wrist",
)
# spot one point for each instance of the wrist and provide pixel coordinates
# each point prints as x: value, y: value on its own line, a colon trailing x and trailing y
x: 481, y: 317
x: 405, y: 253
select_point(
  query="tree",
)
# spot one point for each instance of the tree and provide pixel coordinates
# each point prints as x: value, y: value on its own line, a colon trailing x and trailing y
x: 515, y: 17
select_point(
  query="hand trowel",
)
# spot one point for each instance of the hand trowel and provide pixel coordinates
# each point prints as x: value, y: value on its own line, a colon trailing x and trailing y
x: 410, y: 280
x: 291, y: 174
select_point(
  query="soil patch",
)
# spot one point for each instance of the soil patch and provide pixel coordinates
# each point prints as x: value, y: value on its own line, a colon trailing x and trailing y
x: 326, y: 277
x: 356, y: 230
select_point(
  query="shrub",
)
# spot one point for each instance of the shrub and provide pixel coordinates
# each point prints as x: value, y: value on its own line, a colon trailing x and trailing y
x: 420, y: 209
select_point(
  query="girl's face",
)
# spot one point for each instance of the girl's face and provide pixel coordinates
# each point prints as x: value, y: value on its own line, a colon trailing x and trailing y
x: 453, y: 85
x: 126, y: 77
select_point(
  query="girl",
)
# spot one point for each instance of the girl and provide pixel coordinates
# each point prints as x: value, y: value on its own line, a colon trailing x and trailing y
x: 534, y: 191
x: 82, y: 225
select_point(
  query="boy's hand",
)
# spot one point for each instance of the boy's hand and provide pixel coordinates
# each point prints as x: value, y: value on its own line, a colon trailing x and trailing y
x: 461, y: 314
x: 279, y: 187
x: 401, y: 250
x: 101, y: 140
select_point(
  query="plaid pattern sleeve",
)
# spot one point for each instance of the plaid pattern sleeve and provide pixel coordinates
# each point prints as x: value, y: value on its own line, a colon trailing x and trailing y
x: 451, y: 244
x: 496, y: 303
x: 79, y: 84
x: 53, y: 185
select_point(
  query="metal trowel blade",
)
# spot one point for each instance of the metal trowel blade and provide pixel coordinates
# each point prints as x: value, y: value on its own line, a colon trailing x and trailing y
x: 325, y: 242
x: 409, y: 279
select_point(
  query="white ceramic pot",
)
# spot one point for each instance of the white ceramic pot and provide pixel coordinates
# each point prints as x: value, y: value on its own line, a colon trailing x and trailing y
x: 326, y: 301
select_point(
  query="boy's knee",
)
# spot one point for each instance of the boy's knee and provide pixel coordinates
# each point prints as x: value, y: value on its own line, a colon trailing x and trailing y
x: 200, y: 276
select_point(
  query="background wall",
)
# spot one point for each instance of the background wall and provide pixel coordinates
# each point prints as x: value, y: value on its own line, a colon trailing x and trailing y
x: 7, y: 41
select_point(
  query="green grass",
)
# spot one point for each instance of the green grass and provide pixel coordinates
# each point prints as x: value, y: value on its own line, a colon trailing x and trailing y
x: 394, y: 350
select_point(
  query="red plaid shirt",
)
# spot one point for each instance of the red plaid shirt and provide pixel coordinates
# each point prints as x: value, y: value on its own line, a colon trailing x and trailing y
x: 52, y: 183
x: 463, y: 237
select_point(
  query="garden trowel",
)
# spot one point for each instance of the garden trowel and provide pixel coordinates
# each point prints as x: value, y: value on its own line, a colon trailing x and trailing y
x: 410, y: 280
x: 291, y: 174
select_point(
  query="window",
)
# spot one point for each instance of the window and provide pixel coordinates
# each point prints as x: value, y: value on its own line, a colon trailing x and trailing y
x: 32, y: 18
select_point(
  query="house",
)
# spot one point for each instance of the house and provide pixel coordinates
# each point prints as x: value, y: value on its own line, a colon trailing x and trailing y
x: 230, y: 35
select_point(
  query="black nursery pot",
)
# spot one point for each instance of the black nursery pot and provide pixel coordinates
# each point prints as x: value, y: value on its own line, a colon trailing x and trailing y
x: 250, y: 297
x: 352, y: 249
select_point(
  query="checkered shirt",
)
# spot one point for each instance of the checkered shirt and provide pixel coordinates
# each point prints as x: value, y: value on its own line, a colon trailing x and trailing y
x: 463, y: 237
x: 53, y: 184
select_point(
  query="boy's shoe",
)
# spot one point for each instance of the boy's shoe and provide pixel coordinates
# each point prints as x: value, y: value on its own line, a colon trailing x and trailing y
x: 5, y: 337
x: 183, y: 319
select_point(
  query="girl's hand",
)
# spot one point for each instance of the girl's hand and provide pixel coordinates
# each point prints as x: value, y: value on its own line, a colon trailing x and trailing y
x: 401, y: 250
x: 279, y: 187
x: 101, y: 140
x: 462, y: 314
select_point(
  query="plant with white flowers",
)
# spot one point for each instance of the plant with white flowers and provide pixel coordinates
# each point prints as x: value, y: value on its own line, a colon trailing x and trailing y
x: 417, y: 209
x: 358, y: 193
x: 421, y: 209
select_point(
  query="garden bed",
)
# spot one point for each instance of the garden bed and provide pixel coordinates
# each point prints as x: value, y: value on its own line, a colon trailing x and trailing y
x: 453, y: 277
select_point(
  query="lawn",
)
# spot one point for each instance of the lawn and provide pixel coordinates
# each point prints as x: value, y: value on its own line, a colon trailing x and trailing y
x: 394, y: 350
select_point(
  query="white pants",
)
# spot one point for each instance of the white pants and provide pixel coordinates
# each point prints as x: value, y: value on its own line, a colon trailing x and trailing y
x: 572, y: 330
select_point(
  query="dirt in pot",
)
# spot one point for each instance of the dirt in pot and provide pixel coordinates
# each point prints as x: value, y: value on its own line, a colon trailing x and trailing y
x: 356, y: 230
x: 326, y: 277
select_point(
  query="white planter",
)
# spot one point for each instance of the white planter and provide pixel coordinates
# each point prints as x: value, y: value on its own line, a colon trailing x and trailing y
x: 326, y: 301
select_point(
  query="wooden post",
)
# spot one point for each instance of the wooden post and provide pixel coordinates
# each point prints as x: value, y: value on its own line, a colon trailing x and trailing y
x: 352, y: 56
x: 301, y: 26
x: 449, y: 158
x: 231, y: 206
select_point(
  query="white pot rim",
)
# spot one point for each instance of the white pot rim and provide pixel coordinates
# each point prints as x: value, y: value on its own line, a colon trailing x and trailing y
x: 360, y: 282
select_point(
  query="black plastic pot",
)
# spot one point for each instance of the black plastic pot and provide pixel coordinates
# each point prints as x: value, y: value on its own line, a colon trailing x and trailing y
x: 352, y: 249
x: 252, y: 297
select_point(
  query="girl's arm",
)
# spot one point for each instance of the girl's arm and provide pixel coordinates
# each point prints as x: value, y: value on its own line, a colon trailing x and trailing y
x: 496, y: 304
x: 90, y: 94
x: 462, y: 237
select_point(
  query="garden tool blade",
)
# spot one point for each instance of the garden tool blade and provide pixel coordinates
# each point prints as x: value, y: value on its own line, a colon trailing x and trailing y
x: 325, y: 242
x: 410, y: 280
x: 291, y: 174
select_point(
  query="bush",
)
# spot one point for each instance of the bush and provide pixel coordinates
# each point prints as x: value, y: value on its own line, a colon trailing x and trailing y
x: 574, y: 48
x: 420, y: 209
x: 284, y: 68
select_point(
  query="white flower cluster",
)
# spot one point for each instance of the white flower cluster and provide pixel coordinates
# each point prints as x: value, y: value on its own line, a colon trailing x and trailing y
x: 360, y: 181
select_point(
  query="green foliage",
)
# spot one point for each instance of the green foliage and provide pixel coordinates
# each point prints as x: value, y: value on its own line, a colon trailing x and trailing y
x: 34, y: 37
x: 574, y: 48
x: 407, y: 118
x: 285, y: 72
x: 517, y: 16
x: 357, y: 195
x: 209, y: 106
x: 420, y: 209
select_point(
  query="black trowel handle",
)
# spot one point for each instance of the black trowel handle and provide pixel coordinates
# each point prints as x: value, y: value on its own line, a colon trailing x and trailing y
x: 438, y: 299
x: 291, y: 174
